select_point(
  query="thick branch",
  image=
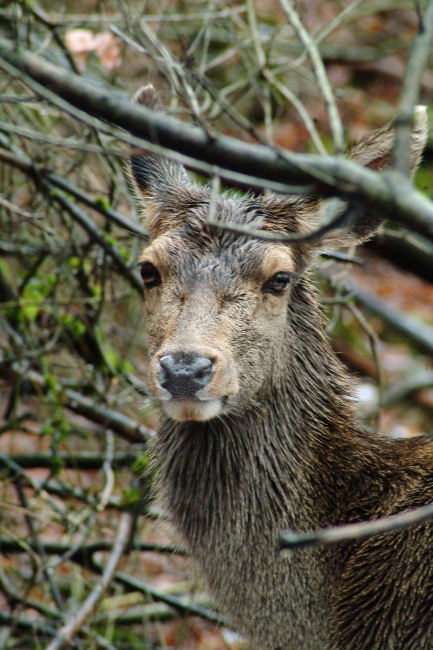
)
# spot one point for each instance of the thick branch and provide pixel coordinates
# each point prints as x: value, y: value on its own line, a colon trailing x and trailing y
x: 328, y: 175
x: 406, y: 251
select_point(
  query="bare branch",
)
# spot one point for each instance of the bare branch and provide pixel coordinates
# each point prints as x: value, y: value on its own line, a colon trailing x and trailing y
x: 121, y: 424
x: 420, y: 52
x: 353, y: 532
x: 328, y: 175
x: 75, y: 623
x: 420, y: 334
x: 320, y: 72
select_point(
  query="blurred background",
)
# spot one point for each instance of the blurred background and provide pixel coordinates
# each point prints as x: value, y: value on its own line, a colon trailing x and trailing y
x: 75, y: 415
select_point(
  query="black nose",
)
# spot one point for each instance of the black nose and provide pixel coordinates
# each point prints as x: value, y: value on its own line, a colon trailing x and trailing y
x: 184, y: 373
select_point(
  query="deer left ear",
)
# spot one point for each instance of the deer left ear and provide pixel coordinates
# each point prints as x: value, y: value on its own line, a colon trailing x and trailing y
x: 373, y: 151
x: 162, y: 186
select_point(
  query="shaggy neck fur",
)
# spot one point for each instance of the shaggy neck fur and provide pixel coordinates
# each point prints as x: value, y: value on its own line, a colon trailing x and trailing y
x: 232, y: 484
x: 294, y: 459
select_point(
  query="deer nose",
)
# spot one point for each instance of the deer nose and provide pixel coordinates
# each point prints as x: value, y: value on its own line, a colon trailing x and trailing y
x: 183, y: 374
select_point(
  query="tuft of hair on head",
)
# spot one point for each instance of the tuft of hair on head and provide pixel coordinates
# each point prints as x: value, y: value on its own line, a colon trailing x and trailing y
x: 147, y: 96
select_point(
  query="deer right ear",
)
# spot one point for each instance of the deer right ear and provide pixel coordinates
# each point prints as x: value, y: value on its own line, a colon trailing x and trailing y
x: 155, y: 177
x: 373, y: 151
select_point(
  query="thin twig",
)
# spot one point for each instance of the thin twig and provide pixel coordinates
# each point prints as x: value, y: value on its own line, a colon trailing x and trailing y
x: 409, y: 97
x: 82, y: 555
x: 374, y: 344
x: 26, y: 165
x: 48, y: 573
x: 338, y: 220
x: 121, y: 424
x: 291, y: 97
x: 320, y: 72
x: 405, y: 388
x: 182, y: 607
x: 75, y: 623
x: 92, y: 229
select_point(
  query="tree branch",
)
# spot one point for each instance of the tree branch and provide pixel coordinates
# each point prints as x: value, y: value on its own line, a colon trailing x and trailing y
x: 329, y: 176
x: 353, y: 532
x: 320, y: 72
x: 75, y: 623
x: 420, y: 334
x: 121, y: 424
x: 420, y: 52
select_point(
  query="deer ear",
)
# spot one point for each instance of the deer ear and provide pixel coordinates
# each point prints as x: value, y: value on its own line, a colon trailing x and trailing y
x: 373, y: 151
x: 156, y: 179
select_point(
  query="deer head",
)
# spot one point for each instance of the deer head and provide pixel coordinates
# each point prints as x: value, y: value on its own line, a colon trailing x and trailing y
x: 220, y: 308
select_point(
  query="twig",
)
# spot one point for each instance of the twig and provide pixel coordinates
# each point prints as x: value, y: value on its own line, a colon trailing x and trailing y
x: 406, y: 387
x: 53, y: 27
x: 84, y: 556
x: 374, y: 344
x: 133, y: 584
x: 328, y: 29
x: 341, y: 257
x: 353, y: 532
x: 30, y: 624
x: 108, y: 471
x: 418, y: 333
x: 26, y: 165
x: 84, y: 460
x: 291, y: 97
x: 420, y: 52
x: 84, y: 553
x: 41, y: 628
x: 47, y: 571
x: 61, y: 488
x: 92, y: 229
x: 65, y: 634
x: 121, y: 424
x: 341, y: 219
x: 320, y: 72
x: 16, y: 597
x: 118, y: 219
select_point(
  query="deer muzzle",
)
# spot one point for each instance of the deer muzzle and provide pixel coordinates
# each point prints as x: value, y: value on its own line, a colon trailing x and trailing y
x: 192, y: 385
x: 183, y: 375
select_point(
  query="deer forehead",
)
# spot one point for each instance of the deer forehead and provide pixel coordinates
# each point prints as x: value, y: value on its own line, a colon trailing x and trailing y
x: 251, y: 261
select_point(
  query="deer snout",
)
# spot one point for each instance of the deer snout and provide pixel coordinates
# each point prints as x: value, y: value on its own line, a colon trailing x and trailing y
x: 192, y: 384
x: 184, y: 374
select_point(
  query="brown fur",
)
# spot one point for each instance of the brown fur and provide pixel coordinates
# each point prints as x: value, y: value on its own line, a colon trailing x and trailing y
x: 273, y: 442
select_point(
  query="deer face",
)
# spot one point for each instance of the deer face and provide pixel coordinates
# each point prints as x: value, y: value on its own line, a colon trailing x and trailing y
x: 216, y: 309
x: 217, y: 305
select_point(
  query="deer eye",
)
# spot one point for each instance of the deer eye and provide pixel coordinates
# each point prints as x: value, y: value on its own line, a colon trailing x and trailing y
x: 150, y: 275
x: 277, y: 284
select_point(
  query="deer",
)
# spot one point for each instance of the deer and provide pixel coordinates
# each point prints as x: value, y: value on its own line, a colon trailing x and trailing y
x: 259, y: 431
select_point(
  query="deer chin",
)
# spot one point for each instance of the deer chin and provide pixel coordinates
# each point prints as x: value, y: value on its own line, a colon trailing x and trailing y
x: 184, y: 410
